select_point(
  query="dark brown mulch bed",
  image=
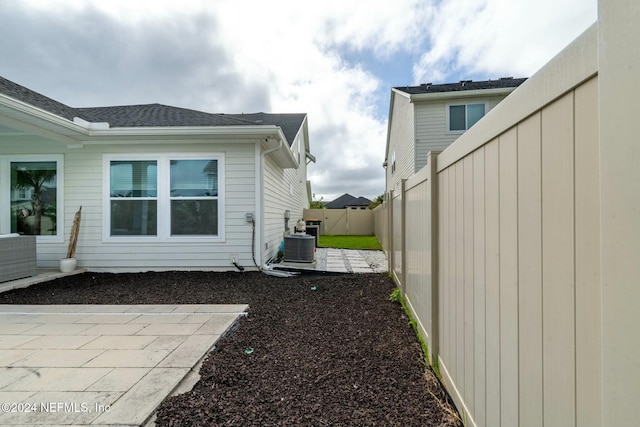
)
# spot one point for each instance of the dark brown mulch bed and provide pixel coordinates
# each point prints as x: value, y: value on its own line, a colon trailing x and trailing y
x: 312, y: 351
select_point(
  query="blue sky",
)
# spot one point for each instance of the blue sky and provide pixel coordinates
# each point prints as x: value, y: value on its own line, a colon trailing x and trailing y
x: 335, y: 60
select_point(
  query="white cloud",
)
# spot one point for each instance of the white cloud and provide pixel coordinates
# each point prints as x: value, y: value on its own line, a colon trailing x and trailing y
x: 278, y: 56
x: 495, y: 38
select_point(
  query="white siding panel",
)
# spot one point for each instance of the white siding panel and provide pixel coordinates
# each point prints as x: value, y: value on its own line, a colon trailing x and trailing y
x: 84, y: 186
x: 284, y: 189
x: 401, y: 141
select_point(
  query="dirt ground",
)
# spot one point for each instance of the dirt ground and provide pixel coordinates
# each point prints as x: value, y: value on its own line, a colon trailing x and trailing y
x: 313, y: 350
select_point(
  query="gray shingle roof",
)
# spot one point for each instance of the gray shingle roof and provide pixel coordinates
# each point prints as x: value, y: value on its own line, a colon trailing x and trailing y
x: 347, y: 200
x: 505, y: 82
x: 21, y: 93
x: 151, y: 115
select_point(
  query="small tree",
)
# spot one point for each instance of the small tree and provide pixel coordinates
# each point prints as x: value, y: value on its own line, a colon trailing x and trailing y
x: 317, y: 204
x: 376, y: 202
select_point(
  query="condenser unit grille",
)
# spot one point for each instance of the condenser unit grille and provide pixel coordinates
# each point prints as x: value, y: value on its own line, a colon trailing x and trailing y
x: 299, y: 248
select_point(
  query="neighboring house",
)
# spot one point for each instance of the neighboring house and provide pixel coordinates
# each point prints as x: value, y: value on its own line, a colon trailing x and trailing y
x: 347, y: 201
x: 429, y: 117
x: 160, y: 187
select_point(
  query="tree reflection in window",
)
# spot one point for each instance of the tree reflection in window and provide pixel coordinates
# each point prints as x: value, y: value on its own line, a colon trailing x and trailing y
x: 34, y: 198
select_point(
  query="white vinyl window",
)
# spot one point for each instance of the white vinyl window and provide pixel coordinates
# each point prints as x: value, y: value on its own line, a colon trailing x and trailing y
x: 462, y: 117
x: 194, y: 197
x: 32, y: 186
x: 133, y: 197
x: 165, y: 197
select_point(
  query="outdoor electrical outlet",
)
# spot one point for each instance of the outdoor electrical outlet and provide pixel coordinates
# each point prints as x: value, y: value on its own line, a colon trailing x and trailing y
x: 233, y: 258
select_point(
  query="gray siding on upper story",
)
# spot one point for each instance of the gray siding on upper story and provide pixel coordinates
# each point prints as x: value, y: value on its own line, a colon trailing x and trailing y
x: 401, y: 142
x: 431, y: 125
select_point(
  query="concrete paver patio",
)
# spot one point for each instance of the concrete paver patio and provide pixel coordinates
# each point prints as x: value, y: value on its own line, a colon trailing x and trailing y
x: 332, y: 260
x: 98, y: 364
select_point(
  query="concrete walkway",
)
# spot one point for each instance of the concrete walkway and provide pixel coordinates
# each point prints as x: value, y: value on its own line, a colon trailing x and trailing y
x: 42, y: 275
x: 330, y: 260
x: 98, y: 364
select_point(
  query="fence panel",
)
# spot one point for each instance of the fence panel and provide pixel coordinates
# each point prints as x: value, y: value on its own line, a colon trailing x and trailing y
x: 380, y: 224
x: 420, y: 251
x: 511, y: 295
x: 352, y: 222
x: 501, y: 265
x: 397, y: 234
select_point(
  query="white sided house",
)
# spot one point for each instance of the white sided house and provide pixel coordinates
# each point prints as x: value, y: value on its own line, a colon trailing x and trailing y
x: 160, y: 187
x: 429, y: 117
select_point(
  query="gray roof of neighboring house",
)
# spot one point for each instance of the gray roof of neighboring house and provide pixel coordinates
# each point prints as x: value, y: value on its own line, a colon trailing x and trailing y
x: 347, y: 200
x: 151, y: 115
x: 505, y: 82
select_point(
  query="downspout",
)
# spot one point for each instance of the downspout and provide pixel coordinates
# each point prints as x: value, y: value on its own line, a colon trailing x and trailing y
x: 260, y: 215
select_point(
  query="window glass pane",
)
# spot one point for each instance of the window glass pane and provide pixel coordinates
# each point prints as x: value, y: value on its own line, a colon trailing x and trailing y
x: 134, y: 178
x: 457, y: 117
x: 194, y: 178
x: 133, y: 217
x: 194, y: 217
x: 34, y: 198
x: 474, y: 113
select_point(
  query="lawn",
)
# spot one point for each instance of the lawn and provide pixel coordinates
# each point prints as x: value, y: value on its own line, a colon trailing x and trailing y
x: 350, y: 242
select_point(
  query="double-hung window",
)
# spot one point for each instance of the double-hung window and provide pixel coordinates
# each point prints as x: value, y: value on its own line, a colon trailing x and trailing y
x: 33, y: 187
x: 194, y: 197
x: 165, y: 197
x: 462, y: 117
x: 133, y: 197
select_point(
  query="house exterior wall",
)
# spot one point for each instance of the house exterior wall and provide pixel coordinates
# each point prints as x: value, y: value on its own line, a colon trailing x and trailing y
x: 284, y: 189
x: 401, y: 142
x: 83, y: 185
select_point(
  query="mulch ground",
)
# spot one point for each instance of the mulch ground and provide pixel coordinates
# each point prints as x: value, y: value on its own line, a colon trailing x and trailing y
x: 313, y: 351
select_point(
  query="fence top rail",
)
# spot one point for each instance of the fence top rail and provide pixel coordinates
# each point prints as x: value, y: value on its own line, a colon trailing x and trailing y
x: 574, y: 65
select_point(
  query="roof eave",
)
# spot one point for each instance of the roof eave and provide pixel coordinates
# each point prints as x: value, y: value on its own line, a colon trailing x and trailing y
x: 173, y: 131
x: 457, y: 94
x: 29, y: 118
x: 282, y: 152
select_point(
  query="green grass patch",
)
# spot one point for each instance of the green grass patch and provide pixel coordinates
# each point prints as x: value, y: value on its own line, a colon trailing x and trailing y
x: 350, y: 242
x: 396, y: 296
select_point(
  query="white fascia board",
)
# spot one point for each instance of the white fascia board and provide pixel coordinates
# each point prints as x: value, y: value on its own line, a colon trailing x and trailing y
x: 225, y: 131
x: 458, y: 94
x: 33, y: 116
x: 400, y: 92
x: 282, y: 153
x: 394, y: 92
x: 159, y: 135
x: 307, y: 144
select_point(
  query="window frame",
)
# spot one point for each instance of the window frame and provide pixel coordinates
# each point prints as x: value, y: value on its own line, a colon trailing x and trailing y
x: 218, y: 197
x: 163, y: 198
x: 5, y: 192
x: 109, y: 198
x: 466, y: 115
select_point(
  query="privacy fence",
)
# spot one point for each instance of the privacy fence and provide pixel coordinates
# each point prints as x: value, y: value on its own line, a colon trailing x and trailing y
x: 496, y: 246
x: 353, y: 222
